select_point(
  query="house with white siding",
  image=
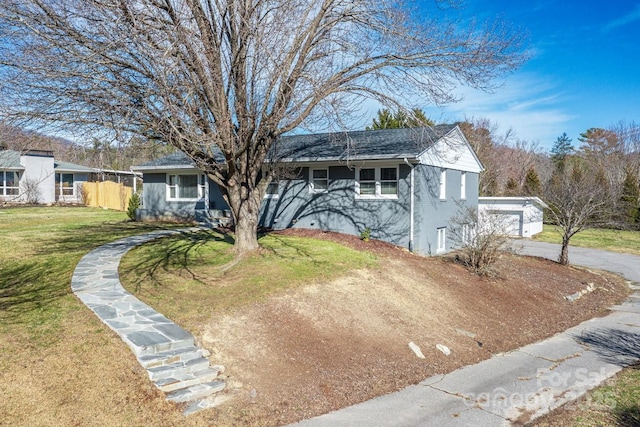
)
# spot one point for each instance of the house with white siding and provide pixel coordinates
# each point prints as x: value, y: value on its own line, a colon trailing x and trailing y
x: 34, y: 176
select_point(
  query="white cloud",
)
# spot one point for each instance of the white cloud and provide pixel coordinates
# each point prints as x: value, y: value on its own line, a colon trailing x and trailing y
x: 532, y: 107
x: 630, y: 17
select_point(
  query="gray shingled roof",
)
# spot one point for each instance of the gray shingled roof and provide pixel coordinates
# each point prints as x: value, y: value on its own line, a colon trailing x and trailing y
x: 369, y: 145
x: 10, y: 159
x: 177, y: 159
x: 366, y: 144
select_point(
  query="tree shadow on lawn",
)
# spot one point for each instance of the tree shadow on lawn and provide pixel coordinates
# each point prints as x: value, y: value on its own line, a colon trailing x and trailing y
x: 32, y: 287
x: 621, y: 348
x: 172, y: 252
x: 84, y: 239
x: 628, y: 416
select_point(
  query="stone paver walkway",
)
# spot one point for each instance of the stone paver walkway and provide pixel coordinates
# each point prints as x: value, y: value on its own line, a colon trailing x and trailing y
x: 168, y: 352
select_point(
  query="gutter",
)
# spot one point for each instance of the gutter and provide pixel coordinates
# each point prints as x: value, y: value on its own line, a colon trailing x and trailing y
x: 411, y: 203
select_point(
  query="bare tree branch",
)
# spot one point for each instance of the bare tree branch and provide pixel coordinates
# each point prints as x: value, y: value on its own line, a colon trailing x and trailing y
x: 228, y: 77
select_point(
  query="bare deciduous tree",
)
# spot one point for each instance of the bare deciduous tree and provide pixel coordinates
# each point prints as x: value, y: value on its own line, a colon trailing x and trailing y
x: 221, y: 80
x: 576, y: 202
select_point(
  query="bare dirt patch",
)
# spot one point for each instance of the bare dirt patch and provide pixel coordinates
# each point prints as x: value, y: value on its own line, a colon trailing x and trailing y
x: 306, y: 351
x: 328, y: 345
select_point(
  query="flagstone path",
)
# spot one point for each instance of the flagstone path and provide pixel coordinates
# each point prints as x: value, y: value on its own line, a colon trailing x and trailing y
x: 169, y: 353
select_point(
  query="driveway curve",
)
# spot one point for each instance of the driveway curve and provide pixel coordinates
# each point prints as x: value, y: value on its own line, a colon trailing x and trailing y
x: 525, y: 383
x: 626, y: 265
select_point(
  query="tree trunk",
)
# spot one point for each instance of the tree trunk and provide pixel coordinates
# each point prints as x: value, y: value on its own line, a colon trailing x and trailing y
x: 564, y: 252
x: 245, y: 205
x: 246, y: 233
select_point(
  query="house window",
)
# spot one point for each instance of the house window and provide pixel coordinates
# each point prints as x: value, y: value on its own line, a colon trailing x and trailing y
x: 463, y: 185
x: 442, y: 239
x: 367, y: 180
x: 377, y: 182
x: 185, y: 187
x: 10, y: 183
x: 389, y: 181
x: 443, y: 184
x: 273, y: 189
x: 64, y: 184
x: 319, y: 180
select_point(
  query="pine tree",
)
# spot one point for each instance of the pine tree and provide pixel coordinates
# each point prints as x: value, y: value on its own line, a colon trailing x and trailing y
x: 400, y: 119
x: 531, y: 185
x: 630, y: 200
x: 560, y: 150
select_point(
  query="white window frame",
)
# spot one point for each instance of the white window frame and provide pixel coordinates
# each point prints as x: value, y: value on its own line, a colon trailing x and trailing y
x: 4, y: 187
x: 60, y: 187
x: 200, y: 183
x: 312, y: 188
x: 378, y: 183
x: 442, y: 240
x: 443, y: 184
x: 463, y: 185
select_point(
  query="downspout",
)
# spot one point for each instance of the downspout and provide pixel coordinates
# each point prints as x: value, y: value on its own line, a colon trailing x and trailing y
x: 411, y: 203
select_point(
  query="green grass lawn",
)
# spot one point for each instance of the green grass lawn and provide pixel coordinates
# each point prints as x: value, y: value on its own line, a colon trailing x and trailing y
x: 610, y: 240
x: 42, y: 246
x: 188, y: 278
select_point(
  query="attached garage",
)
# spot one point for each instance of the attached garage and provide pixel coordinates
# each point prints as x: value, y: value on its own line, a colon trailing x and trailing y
x: 518, y: 216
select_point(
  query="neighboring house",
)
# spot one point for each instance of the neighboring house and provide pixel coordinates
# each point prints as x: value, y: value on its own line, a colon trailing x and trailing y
x: 518, y: 216
x: 69, y: 180
x: 404, y: 185
x: 35, y: 176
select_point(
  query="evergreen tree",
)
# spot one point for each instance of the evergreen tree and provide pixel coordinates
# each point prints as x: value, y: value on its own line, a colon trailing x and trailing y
x: 560, y: 150
x: 531, y: 183
x: 400, y: 119
x: 630, y: 200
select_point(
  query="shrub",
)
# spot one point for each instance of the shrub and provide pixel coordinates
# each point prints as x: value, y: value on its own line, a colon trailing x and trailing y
x: 366, y: 234
x: 83, y: 195
x: 480, y: 239
x: 134, y: 204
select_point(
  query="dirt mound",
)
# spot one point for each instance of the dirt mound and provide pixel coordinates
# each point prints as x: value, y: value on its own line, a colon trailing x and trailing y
x: 328, y: 345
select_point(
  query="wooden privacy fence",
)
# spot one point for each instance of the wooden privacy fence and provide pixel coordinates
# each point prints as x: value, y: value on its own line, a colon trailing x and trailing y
x: 106, y: 194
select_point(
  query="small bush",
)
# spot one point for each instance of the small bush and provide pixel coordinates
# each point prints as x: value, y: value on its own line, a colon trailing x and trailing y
x: 83, y: 195
x: 31, y: 191
x: 366, y: 234
x: 134, y: 204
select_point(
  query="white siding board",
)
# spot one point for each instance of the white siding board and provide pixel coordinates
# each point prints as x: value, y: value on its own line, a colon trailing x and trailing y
x: 452, y: 151
x: 529, y: 211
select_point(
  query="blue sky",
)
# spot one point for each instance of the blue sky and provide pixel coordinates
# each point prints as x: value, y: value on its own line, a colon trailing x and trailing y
x: 584, y: 71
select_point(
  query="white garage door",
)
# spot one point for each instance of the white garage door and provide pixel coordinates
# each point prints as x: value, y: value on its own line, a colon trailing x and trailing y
x: 509, y: 221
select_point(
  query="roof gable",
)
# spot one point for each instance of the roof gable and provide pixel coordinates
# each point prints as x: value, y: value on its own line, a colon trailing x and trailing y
x: 452, y: 151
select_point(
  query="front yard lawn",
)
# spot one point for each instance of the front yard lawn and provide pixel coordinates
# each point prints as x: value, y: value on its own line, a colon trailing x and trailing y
x: 609, y: 240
